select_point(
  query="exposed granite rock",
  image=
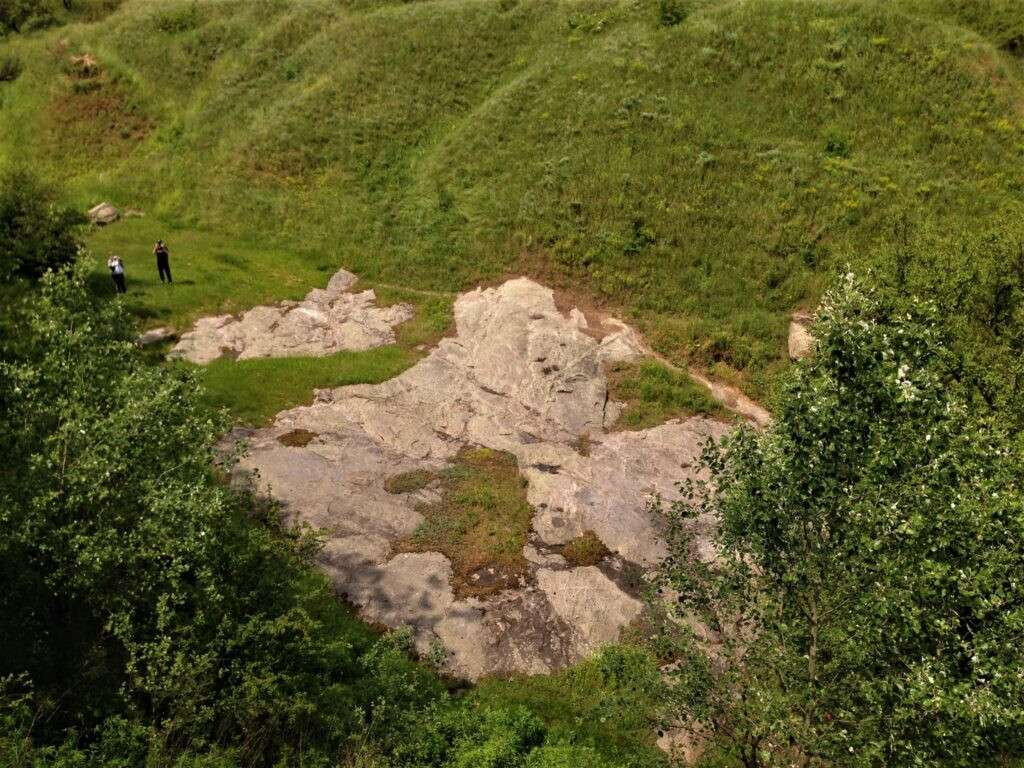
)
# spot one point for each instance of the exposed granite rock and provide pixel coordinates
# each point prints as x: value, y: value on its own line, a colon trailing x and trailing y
x: 518, y: 376
x: 590, y: 603
x: 801, y: 342
x: 155, y: 336
x: 328, y: 320
x: 103, y: 214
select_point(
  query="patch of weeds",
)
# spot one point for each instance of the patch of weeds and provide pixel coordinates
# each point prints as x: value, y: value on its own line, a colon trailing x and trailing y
x: 653, y: 394
x: 177, y: 20
x: 297, y: 438
x: 407, y: 482
x: 10, y: 68
x: 583, y: 444
x: 837, y: 145
x: 611, y: 701
x: 672, y: 12
x: 480, y: 523
x: 584, y: 550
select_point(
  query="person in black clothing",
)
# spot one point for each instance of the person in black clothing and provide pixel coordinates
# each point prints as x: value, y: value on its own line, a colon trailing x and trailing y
x: 163, y: 260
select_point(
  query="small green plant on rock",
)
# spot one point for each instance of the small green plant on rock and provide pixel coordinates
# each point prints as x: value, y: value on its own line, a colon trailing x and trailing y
x: 407, y: 482
x: 480, y: 523
x: 587, y: 549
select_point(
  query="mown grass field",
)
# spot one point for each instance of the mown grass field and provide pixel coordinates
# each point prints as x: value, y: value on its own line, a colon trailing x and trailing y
x: 705, y: 177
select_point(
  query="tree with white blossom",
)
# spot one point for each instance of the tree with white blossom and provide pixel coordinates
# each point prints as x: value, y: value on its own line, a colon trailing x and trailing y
x: 865, y: 606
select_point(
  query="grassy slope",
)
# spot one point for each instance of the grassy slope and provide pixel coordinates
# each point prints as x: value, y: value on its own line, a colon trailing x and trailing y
x: 704, y: 177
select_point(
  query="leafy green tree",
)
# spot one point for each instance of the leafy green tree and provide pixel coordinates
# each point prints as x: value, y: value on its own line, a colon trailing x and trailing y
x: 152, y: 616
x: 36, y: 234
x: 136, y: 586
x: 865, y: 604
x: 979, y: 284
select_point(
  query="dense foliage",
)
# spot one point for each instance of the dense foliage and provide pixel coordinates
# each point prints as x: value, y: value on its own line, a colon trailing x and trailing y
x: 135, y: 585
x: 866, y: 605
x: 36, y: 234
x: 151, y: 614
x: 979, y: 285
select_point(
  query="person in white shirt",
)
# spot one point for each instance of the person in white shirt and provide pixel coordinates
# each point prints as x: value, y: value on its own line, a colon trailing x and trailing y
x: 117, y: 273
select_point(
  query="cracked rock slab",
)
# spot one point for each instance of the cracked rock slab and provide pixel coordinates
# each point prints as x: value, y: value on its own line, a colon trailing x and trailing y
x: 328, y: 320
x: 518, y: 376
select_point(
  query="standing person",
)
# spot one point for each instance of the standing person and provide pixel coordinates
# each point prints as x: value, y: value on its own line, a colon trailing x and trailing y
x: 163, y: 260
x: 117, y: 273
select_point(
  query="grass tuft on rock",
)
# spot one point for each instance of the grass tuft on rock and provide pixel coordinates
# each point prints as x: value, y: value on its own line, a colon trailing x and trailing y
x: 653, y: 394
x: 480, y: 523
x: 584, y: 550
x: 297, y: 438
x: 407, y: 482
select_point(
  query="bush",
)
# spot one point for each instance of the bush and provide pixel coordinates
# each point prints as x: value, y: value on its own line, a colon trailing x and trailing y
x: 865, y: 541
x: 10, y: 68
x: 36, y: 235
x: 23, y: 15
x: 672, y: 12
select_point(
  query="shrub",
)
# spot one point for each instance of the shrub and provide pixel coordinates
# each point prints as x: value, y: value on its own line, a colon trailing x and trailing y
x: 35, y: 234
x: 10, y: 68
x: 672, y: 12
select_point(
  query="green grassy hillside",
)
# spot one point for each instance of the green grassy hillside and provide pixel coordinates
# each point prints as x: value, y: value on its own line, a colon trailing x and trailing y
x: 701, y: 165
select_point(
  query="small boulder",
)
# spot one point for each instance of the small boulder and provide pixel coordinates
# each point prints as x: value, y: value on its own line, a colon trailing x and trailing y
x: 103, y: 214
x: 801, y: 342
x: 155, y: 336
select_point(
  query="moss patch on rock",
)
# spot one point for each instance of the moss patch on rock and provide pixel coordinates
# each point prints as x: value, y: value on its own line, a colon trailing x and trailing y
x: 480, y: 524
x: 407, y: 482
x: 584, y: 550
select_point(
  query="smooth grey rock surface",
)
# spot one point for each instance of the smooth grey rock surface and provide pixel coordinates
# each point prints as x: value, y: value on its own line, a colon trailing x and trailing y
x: 518, y: 376
x: 590, y: 603
x: 328, y: 320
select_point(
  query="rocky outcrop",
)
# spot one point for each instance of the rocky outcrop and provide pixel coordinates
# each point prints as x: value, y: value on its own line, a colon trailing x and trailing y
x: 155, y: 336
x: 801, y: 342
x: 328, y: 320
x: 518, y: 376
x: 103, y: 214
